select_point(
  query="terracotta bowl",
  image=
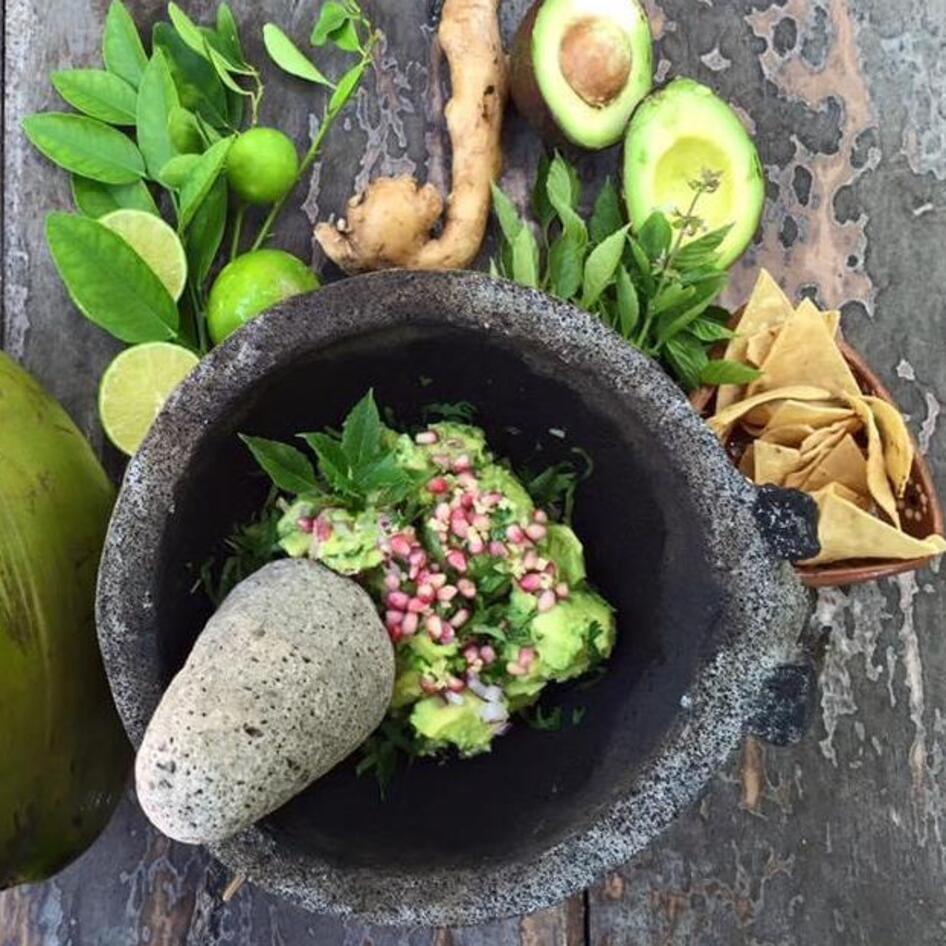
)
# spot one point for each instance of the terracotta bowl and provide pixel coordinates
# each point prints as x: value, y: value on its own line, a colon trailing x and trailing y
x: 921, y: 511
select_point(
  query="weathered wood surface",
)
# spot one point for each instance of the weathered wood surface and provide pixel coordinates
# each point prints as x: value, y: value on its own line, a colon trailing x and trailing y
x: 836, y: 841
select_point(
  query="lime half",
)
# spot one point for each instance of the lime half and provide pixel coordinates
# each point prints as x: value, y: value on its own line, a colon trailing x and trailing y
x: 155, y: 242
x: 136, y: 385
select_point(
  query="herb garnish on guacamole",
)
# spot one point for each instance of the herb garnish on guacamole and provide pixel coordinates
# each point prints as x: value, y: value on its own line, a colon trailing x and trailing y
x: 484, y: 596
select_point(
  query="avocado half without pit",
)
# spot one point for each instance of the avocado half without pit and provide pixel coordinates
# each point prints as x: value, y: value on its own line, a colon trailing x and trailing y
x: 580, y: 67
x: 677, y: 135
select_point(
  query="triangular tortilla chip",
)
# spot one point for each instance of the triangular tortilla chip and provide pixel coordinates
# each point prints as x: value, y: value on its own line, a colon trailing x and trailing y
x: 898, y: 446
x: 847, y: 532
x: 820, y: 441
x: 815, y: 413
x: 788, y: 435
x: 767, y: 306
x: 723, y: 420
x: 876, y: 466
x: 804, y: 353
x: 832, y: 317
x: 773, y: 463
x: 844, y: 463
x: 760, y: 344
x: 838, y: 489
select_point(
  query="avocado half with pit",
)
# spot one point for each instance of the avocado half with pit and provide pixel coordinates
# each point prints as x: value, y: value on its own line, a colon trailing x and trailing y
x: 678, y: 133
x: 579, y: 68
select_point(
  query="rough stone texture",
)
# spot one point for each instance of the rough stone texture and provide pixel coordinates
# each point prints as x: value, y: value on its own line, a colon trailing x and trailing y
x: 290, y: 676
x: 837, y: 840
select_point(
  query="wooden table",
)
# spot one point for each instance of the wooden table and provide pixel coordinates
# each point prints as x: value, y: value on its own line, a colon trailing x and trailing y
x: 839, y: 840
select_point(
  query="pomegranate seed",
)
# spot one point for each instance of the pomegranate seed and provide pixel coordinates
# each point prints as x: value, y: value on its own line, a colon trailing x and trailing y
x: 540, y: 516
x: 561, y: 590
x: 393, y: 618
x: 515, y: 670
x: 442, y: 512
x: 392, y: 582
x: 476, y: 545
x: 546, y: 566
x: 467, y: 500
x: 467, y: 480
x: 466, y: 588
x: 400, y: 546
x: 441, y: 461
x: 537, y: 532
x: 305, y: 523
x: 487, y: 653
x: 395, y: 633
x: 498, y: 550
x: 448, y: 636
x: 460, y: 618
x: 462, y: 464
x: 425, y: 592
x: 323, y: 530
x: 438, y: 485
x: 409, y: 624
x: 515, y: 534
x: 427, y: 438
x: 438, y: 580
x: 471, y: 653
x: 434, y: 627
x: 492, y: 499
x: 547, y: 601
x: 526, y: 656
x: 457, y: 561
x: 531, y: 582
x: 416, y: 606
x: 456, y: 685
x: 418, y: 558
x: 530, y: 560
x: 398, y: 600
x: 429, y: 686
x: 447, y: 593
x: 481, y: 522
x: 414, y: 572
x: 459, y: 526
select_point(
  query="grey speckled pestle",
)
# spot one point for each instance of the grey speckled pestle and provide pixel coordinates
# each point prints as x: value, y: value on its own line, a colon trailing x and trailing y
x: 291, y: 674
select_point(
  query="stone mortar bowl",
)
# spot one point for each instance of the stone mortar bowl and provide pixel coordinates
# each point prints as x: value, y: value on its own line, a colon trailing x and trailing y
x: 692, y: 555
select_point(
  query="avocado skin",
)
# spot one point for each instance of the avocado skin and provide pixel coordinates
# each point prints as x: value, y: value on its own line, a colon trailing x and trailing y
x: 65, y: 757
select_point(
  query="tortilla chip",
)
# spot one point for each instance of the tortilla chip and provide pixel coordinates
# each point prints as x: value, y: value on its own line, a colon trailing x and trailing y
x: 833, y: 317
x: 804, y: 353
x: 816, y: 414
x: 876, y: 465
x: 823, y: 439
x: 838, y: 489
x: 767, y: 306
x: 760, y: 344
x: 788, y: 435
x: 847, y: 532
x: 844, y: 463
x: 724, y: 419
x: 773, y: 463
x: 898, y: 446
x: 747, y: 462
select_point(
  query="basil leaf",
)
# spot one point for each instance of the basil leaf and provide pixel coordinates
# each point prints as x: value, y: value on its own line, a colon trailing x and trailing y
x: 122, y: 49
x: 525, y: 258
x: 687, y: 359
x: 655, y: 235
x: 205, y: 234
x: 561, y: 195
x: 333, y: 463
x: 566, y: 257
x: 157, y: 96
x: 332, y: 16
x: 542, y: 208
x: 229, y: 34
x: 606, y: 217
x: 203, y: 176
x: 85, y: 146
x: 346, y: 38
x: 346, y: 86
x: 707, y: 330
x: 109, y: 282
x: 174, y: 174
x: 702, y: 251
x: 95, y: 199
x: 673, y: 296
x: 198, y: 86
x: 601, y: 265
x: 98, y: 94
x: 674, y: 321
x: 628, y: 305
x: 506, y: 214
x: 284, y: 52
x: 288, y: 468
x: 361, y: 431
x: 722, y: 371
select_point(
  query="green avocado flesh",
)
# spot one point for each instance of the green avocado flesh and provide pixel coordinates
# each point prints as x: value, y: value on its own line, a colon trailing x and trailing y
x: 675, y: 135
x: 485, y: 599
x: 624, y: 27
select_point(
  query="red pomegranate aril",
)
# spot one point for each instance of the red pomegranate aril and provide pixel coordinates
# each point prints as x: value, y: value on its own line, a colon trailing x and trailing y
x: 425, y: 592
x: 487, y: 653
x: 427, y: 438
x: 438, y: 579
x: 323, y: 529
x: 540, y: 516
x: 466, y: 588
x: 530, y: 560
x: 526, y: 656
x: 462, y: 464
x: 442, y: 512
x: 515, y: 534
x: 457, y: 561
x: 447, y: 593
x: 398, y: 600
x: 459, y: 619
x: 305, y: 523
x: 418, y: 557
x: 438, y: 485
x: 537, y: 532
x: 409, y: 624
x: 429, y: 686
x: 562, y: 590
x: 467, y: 480
x: 475, y: 544
x: 471, y: 653
x: 481, y: 523
x: 392, y: 582
x: 547, y: 601
x: 531, y: 582
x: 416, y: 606
x: 459, y: 526
x: 393, y: 618
x: 498, y: 550
x: 434, y: 627
x: 448, y: 636
x: 400, y: 546
x: 456, y: 685
x: 395, y: 634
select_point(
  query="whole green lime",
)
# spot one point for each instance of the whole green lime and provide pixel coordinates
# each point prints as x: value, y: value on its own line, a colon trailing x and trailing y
x: 251, y: 284
x: 262, y: 166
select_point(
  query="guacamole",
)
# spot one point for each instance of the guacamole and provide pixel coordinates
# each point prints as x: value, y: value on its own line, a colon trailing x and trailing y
x: 485, y: 599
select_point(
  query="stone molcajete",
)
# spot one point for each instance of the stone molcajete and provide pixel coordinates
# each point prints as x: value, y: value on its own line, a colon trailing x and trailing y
x: 691, y: 555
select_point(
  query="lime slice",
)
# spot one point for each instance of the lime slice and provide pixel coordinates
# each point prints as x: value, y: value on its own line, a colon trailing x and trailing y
x: 136, y: 385
x: 155, y: 242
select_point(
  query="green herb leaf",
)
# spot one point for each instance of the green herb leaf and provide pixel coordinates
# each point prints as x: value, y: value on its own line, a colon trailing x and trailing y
x: 122, y: 49
x: 550, y: 721
x: 85, y: 146
x: 721, y: 371
x: 346, y: 86
x: 346, y: 38
x: 601, y: 265
x: 628, y: 305
x: 109, y: 282
x: 333, y: 462
x: 95, y: 199
x: 655, y: 236
x: 673, y: 321
x: 201, y: 179
x: 566, y: 258
x: 525, y: 258
x: 332, y: 17
x: 98, y: 94
x: 288, y: 468
x: 284, y: 52
x: 223, y: 68
x: 156, y: 97
x: 361, y: 432
x: 687, y: 358
x: 506, y: 214
x: 542, y: 207
x: 462, y: 412
x: 205, y: 234
x: 561, y: 191
x: 607, y: 216
x: 187, y: 29
x: 708, y: 330
x: 702, y: 251
x: 229, y: 34
x: 177, y: 170
x: 185, y: 131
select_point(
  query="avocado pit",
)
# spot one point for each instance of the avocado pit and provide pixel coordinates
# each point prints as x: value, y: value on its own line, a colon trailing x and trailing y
x: 595, y: 60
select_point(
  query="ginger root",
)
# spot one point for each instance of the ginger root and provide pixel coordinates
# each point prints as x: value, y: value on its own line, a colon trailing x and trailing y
x: 390, y: 223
